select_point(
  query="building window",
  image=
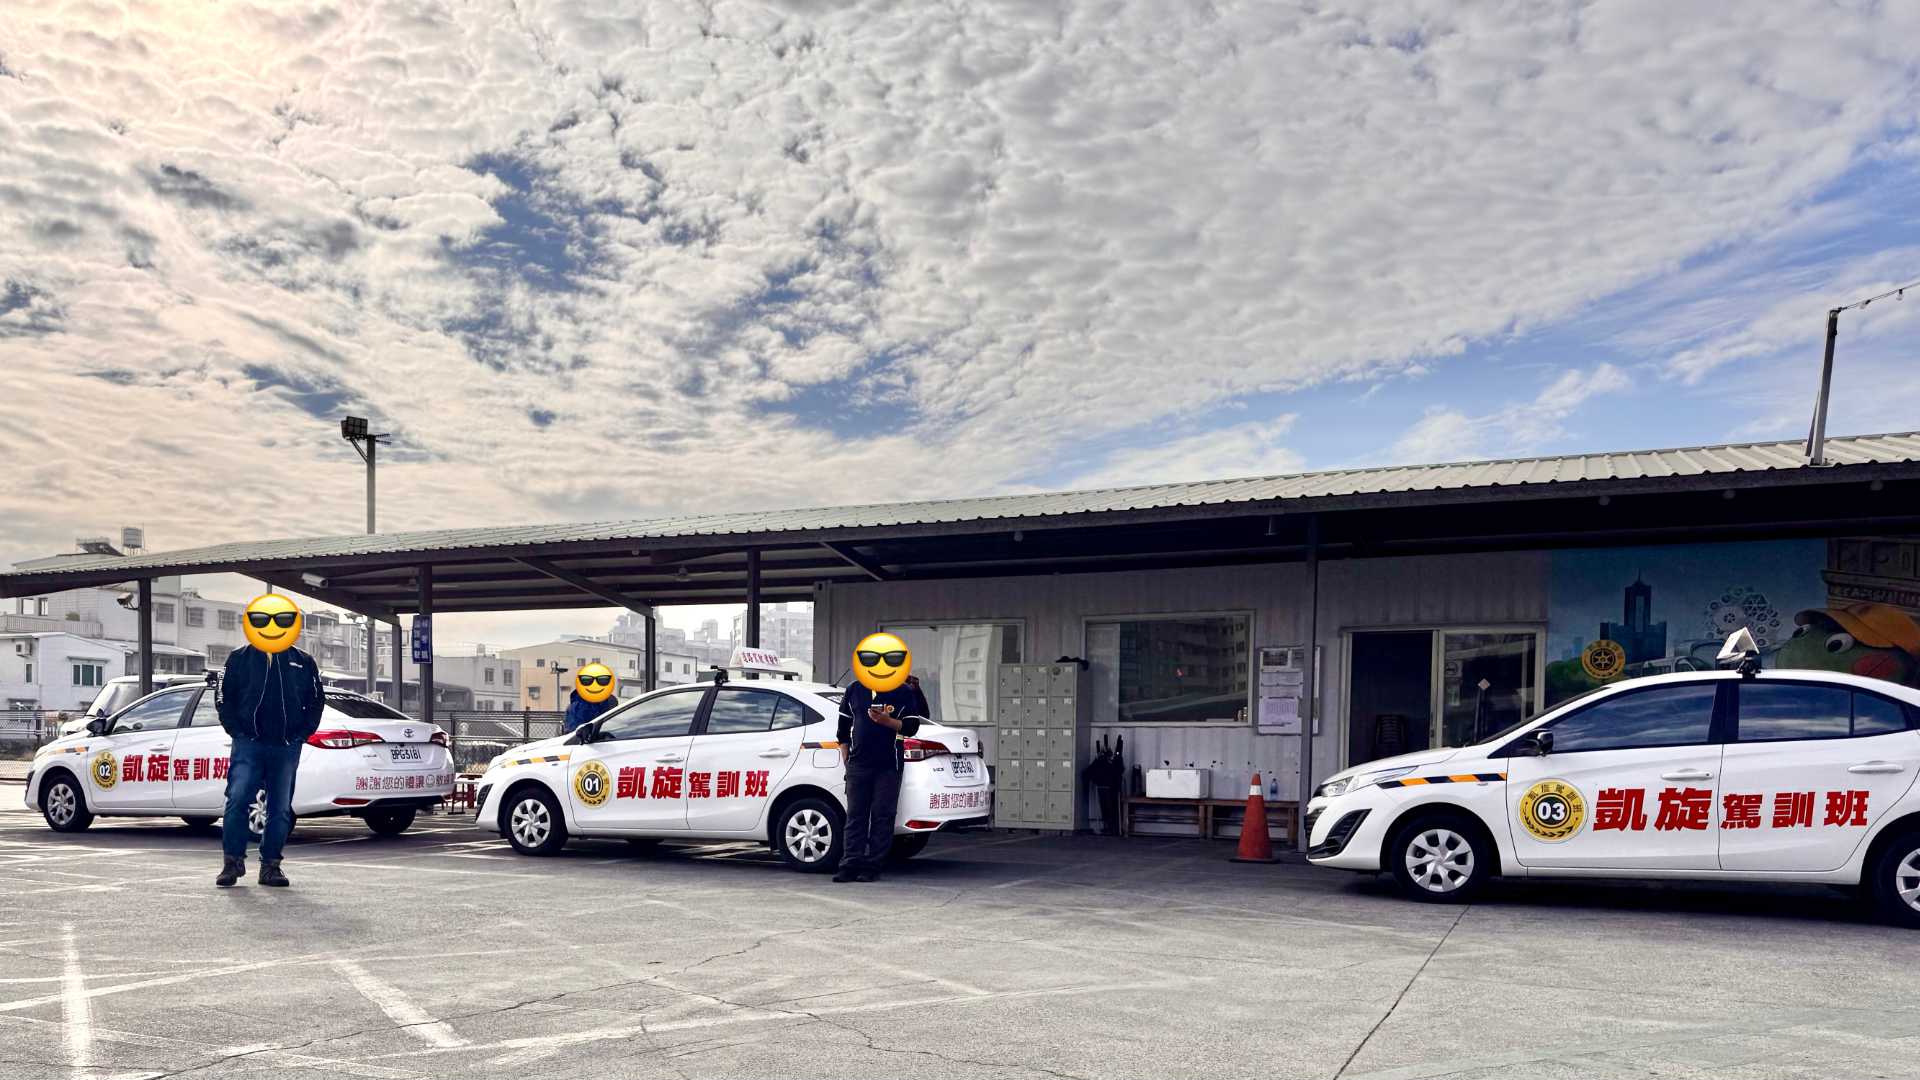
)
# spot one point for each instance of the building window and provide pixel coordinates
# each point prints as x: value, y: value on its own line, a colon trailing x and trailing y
x: 229, y: 620
x: 957, y: 664
x: 196, y: 616
x: 89, y: 674
x: 42, y: 604
x: 579, y: 661
x: 217, y: 655
x: 486, y: 676
x: 1187, y: 669
x: 686, y: 668
x: 540, y: 661
x: 533, y: 693
x: 163, y: 612
x: 29, y: 673
x: 506, y: 676
x: 632, y: 664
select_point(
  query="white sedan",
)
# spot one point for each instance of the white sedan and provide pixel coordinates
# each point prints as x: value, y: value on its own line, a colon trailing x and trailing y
x: 752, y: 760
x: 166, y: 755
x: 1781, y: 775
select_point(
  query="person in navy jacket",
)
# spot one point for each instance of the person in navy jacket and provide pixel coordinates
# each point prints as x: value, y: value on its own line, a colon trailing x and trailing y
x: 270, y: 701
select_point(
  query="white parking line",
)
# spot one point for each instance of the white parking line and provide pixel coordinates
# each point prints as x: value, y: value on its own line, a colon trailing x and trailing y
x: 399, y: 1007
x: 75, y: 1008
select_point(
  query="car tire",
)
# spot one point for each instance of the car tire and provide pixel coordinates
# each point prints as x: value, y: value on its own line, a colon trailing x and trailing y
x: 1895, y: 884
x: 201, y: 824
x: 390, y: 822
x: 1440, y: 858
x: 63, y: 804
x: 531, y: 820
x: 808, y: 835
x: 906, y: 847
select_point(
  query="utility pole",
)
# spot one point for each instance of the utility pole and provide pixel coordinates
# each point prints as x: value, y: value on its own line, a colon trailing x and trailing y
x: 1817, y: 433
x: 354, y: 430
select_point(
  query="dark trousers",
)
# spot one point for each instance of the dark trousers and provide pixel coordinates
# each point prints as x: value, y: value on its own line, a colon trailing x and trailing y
x: 256, y: 767
x: 873, y: 797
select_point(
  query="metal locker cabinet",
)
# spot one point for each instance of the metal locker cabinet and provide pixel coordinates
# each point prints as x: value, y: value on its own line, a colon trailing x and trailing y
x: 1059, y: 808
x: 1063, y: 678
x: 1060, y: 774
x: 1035, y: 803
x: 1013, y: 743
x: 1060, y: 711
x: 1060, y: 743
x: 1033, y: 680
x: 1037, y: 770
x: 1010, y: 679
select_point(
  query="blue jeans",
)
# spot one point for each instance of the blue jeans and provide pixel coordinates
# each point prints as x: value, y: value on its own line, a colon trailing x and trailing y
x: 259, y: 766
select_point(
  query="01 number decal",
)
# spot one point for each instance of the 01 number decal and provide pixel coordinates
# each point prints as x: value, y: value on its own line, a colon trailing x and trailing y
x: 1552, y: 811
x: 592, y: 784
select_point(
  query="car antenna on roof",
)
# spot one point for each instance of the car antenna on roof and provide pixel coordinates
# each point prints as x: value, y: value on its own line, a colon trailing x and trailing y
x: 1741, y: 652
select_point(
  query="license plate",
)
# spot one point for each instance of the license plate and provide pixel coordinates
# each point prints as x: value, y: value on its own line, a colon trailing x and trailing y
x: 404, y: 753
x: 963, y: 768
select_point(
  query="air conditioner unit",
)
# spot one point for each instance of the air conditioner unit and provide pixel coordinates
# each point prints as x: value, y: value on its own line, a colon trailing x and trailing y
x: 23, y: 648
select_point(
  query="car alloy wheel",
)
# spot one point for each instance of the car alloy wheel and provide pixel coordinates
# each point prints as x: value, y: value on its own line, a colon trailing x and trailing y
x: 1906, y: 880
x: 809, y: 835
x: 531, y: 822
x: 62, y: 803
x: 1439, y: 860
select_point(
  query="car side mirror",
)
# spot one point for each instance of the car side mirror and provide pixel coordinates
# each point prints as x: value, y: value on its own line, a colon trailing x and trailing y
x: 97, y: 726
x: 582, y: 735
x: 1542, y: 743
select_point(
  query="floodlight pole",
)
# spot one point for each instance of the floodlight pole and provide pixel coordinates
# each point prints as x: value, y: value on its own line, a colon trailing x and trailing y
x: 354, y: 430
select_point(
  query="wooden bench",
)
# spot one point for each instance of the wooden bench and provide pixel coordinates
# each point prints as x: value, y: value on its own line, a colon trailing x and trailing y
x: 1208, y: 814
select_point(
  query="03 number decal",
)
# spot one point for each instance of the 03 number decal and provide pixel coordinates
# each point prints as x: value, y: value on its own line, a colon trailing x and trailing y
x: 1552, y: 811
x: 592, y: 784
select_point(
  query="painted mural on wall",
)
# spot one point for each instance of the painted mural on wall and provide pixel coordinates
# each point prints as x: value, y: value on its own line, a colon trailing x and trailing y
x: 1849, y: 604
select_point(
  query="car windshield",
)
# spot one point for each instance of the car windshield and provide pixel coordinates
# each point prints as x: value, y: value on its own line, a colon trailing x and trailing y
x: 113, y: 697
x: 1555, y: 707
x: 356, y: 707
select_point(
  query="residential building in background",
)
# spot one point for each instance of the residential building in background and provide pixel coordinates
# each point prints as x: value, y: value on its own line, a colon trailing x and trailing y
x: 492, y: 681
x: 679, y: 667
x: 785, y: 628
x: 544, y: 687
x: 62, y: 670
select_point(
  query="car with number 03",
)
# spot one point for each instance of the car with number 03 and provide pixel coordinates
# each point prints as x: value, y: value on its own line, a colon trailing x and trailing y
x: 1747, y: 774
x: 751, y: 760
x: 166, y: 755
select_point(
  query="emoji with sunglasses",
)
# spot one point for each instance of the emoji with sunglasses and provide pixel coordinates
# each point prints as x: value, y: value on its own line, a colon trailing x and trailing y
x: 594, y: 683
x: 272, y: 623
x: 881, y: 662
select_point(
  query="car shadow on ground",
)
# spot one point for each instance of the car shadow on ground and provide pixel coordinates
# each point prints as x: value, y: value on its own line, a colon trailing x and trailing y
x: 1792, y: 903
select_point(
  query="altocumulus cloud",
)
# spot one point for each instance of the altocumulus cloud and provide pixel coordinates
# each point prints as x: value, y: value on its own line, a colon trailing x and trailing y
x: 585, y: 258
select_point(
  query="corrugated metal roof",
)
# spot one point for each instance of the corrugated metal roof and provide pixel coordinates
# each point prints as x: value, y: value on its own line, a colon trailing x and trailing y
x: 1492, y: 476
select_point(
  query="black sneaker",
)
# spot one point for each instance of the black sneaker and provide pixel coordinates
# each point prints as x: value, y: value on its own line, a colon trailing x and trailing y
x: 230, y: 872
x: 846, y: 874
x: 270, y: 875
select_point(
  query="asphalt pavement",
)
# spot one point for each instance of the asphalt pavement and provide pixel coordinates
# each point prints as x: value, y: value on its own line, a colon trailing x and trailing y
x: 442, y: 954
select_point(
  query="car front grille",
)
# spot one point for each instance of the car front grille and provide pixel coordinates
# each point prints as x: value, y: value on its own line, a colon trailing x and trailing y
x: 1337, y: 837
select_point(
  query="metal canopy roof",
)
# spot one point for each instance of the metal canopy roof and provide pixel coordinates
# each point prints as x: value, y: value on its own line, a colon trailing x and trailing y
x: 1873, y: 482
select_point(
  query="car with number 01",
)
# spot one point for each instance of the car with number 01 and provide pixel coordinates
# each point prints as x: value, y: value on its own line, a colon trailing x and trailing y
x: 1761, y: 775
x: 166, y: 755
x: 751, y: 760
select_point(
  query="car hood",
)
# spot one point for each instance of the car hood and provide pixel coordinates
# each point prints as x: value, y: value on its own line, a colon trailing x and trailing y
x: 543, y: 746
x: 1401, y: 761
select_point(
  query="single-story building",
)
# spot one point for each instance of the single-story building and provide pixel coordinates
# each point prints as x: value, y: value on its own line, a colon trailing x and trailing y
x: 1380, y: 609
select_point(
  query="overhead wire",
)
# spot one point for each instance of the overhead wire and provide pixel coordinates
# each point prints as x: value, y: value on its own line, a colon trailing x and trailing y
x: 1899, y: 291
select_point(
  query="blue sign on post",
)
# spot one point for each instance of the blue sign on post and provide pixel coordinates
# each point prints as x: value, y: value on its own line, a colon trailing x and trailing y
x: 423, y: 639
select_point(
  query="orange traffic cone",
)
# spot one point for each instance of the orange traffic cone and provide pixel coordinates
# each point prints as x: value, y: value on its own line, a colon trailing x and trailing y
x: 1255, y: 845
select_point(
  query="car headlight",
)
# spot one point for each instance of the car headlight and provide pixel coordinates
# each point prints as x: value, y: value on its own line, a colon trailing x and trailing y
x: 1342, y: 784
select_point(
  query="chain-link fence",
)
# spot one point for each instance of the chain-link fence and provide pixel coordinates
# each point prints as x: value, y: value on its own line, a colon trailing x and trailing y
x: 478, y: 736
x: 22, y: 731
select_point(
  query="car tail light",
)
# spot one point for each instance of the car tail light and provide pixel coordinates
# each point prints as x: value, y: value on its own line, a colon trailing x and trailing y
x: 923, y: 824
x: 342, y: 739
x: 922, y: 749
x: 439, y: 738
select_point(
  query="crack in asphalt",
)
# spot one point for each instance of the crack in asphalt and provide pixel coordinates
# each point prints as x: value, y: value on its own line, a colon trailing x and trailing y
x: 1401, y: 996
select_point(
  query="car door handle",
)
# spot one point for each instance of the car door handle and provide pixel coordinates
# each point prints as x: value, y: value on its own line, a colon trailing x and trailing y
x: 1875, y: 767
x: 1687, y: 774
x: 774, y: 751
x: 670, y: 759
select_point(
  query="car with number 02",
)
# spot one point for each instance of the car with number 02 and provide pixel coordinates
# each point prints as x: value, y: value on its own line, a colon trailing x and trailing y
x: 1748, y: 774
x: 166, y: 755
x: 751, y: 760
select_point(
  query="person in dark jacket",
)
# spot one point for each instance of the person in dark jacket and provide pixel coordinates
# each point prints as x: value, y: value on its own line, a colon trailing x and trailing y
x: 270, y: 700
x: 593, y: 695
x: 872, y: 723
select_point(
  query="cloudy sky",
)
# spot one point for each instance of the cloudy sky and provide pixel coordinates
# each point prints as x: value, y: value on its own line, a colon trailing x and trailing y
x: 602, y: 260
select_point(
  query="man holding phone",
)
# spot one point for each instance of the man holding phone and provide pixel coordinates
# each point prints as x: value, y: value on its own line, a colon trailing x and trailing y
x: 878, y: 710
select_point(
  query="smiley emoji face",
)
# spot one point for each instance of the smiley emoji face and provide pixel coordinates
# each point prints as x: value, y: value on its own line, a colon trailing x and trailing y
x: 881, y: 662
x: 272, y: 623
x: 594, y: 683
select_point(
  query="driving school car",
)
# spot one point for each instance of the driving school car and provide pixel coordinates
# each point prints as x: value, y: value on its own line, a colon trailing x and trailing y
x: 754, y: 760
x: 1781, y: 775
x: 166, y: 755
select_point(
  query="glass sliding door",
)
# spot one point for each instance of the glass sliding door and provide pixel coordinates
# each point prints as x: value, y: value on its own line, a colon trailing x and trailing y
x: 1486, y: 682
